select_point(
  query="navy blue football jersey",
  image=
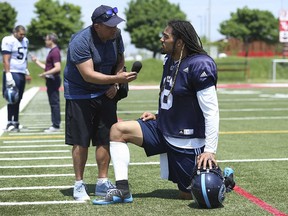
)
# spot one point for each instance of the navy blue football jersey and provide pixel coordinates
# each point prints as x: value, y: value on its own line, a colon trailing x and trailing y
x: 179, y: 113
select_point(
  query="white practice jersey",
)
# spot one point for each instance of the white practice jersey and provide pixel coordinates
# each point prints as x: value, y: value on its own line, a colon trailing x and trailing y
x: 18, y: 51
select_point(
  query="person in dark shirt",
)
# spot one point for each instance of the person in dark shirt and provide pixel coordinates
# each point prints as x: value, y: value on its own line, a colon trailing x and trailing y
x: 90, y: 85
x: 52, y: 69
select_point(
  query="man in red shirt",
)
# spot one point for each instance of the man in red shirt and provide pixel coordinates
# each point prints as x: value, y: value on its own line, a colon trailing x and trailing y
x: 52, y: 69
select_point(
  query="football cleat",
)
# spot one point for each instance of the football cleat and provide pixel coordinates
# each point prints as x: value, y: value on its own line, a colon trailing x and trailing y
x: 51, y: 130
x: 12, y: 127
x: 102, y: 188
x: 114, y: 196
x: 229, y: 179
x: 208, y: 188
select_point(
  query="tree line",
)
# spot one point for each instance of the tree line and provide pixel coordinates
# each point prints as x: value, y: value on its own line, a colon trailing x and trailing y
x: 145, y: 19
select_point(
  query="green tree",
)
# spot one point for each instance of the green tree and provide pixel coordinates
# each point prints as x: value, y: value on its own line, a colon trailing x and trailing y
x: 146, y: 20
x: 64, y: 20
x: 251, y: 25
x: 7, y: 19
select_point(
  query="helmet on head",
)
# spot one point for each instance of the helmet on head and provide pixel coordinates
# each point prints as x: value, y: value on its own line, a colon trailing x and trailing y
x: 208, y: 188
x: 11, y: 95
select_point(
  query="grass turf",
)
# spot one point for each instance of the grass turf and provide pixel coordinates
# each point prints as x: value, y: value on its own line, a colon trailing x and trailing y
x: 253, y: 125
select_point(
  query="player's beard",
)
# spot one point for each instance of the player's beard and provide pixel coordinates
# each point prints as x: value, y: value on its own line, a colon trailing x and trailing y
x: 163, y: 51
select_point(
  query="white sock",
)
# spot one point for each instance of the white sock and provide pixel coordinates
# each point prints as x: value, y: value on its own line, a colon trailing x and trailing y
x: 78, y: 182
x: 102, y: 180
x: 120, y: 156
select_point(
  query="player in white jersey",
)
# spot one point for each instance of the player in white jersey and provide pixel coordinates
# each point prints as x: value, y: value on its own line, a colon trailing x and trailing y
x: 14, y: 49
x: 186, y: 126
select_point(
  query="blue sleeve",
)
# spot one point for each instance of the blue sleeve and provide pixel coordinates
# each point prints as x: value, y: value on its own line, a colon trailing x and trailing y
x: 80, y: 50
x: 203, y: 73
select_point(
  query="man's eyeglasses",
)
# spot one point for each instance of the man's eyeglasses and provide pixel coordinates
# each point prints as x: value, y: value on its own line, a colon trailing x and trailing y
x: 109, y: 13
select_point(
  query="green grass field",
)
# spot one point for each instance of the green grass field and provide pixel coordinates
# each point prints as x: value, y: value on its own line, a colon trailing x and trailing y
x: 36, y: 173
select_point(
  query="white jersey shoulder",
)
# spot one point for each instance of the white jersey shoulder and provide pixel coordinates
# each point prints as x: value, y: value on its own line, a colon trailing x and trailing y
x: 18, y: 51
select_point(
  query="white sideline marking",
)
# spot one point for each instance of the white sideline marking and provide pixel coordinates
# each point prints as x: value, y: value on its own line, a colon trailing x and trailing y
x: 36, y: 176
x: 37, y: 158
x: 38, y: 133
x: 140, y: 163
x: 253, y: 118
x: 250, y: 85
x: 254, y: 110
x: 26, y: 152
x: 253, y: 160
x: 39, y: 113
x: 33, y: 141
x: 40, y: 203
x: 36, y: 188
x: 70, y: 165
x: 248, y: 99
x: 36, y: 114
x: 27, y: 96
x: 42, y: 166
x: 32, y: 146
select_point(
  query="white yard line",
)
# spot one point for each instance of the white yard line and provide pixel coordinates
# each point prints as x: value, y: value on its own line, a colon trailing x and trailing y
x: 36, y: 158
x: 37, y: 152
x: 253, y: 118
x: 36, y: 188
x: 254, y: 110
x: 33, y: 141
x: 39, y: 114
x: 140, y: 163
x: 56, y: 202
x: 33, y: 146
x: 35, y: 133
x: 36, y: 176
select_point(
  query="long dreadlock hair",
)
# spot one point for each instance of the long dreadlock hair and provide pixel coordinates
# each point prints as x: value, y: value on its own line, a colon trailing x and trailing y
x: 185, y: 31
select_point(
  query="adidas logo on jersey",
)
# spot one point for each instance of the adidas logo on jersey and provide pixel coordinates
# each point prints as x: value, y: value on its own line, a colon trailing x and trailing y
x: 203, y: 74
x: 186, y: 69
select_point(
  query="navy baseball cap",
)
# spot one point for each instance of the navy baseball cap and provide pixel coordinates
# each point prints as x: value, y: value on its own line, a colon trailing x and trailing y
x: 106, y: 15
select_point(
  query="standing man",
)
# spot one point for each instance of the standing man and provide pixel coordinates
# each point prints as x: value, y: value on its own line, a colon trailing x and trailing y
x: 186, y: 126
x: 89, y: 89
x: 14, y: 50
x: 52, y: 69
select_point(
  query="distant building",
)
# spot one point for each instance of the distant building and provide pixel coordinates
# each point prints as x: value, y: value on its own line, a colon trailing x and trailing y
x: 235, y: 47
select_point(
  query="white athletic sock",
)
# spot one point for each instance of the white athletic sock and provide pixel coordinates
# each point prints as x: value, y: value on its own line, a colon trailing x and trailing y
x: 102, y: 180
x: 79, y: 182
x: 120, y: 156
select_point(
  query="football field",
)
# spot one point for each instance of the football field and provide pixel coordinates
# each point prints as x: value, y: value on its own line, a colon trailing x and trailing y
x: 37, y: 177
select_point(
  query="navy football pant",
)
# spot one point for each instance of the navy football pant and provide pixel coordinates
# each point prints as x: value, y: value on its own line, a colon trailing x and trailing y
x: 13, y: 109
x: 181, y: 162
x: 53, y: 86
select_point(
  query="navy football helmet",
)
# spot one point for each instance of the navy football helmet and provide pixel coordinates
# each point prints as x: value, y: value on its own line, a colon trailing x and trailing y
x: 208, y: 188
x: 11, y: 95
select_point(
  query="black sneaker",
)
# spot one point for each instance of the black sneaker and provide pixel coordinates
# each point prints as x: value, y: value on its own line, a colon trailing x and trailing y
x: 229, y: 179
x: 114, y: 196
x: 12, y: 127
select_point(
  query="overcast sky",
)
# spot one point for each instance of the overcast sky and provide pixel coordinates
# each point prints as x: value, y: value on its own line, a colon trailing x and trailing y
x: 198, y: 12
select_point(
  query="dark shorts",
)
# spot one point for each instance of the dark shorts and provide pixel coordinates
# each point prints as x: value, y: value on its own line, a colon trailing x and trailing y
x: 89, y: 119
x: 180, y: 161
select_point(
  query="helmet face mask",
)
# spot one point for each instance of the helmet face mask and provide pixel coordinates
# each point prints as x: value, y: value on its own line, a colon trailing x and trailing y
x: 11, y: 95
x: 208, y: 188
